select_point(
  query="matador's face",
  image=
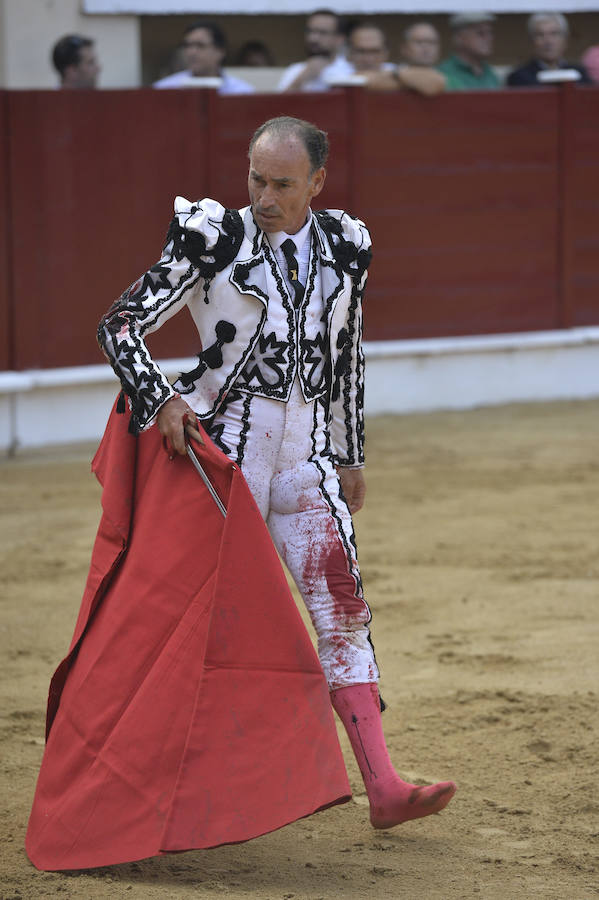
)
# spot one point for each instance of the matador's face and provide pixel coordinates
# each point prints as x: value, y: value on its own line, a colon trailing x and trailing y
x: 281, y: 184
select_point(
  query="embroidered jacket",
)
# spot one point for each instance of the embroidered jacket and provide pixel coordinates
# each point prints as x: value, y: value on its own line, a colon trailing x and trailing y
x: 214, y: 262
x: 294, y: 338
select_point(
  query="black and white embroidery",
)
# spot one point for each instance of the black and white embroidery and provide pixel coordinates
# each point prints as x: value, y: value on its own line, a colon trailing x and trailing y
x: 342, y: 363
x: 351, y: 381
x: 241, y: 277
x: 352, y: 259
x: 271, y: 366
x: 192, y: 245
x: 266, y: 367
x: 352, y: 256
x: 143, y: 306
x: 313, y: 341
x: 315, y: 356
x: 121, y: 336
x: 211, y: 357
x: 301, y: 347
x: 214, y: 429
x: 216, y: 436
x: 245, y: 427
x: 190, y: 260
x: 153, y: 281
x: 348, y: 539
x: 216, y: 426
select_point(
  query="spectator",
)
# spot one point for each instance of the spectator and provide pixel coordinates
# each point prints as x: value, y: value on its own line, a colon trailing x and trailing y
x: 468, y: 69
x: 75, y: 60
x: 590, y: 61
x: 368, y: 54
x: 204, y: 49
x: 367, y: 49
x: 420, y: 45
x: 324, y: 41
x: 254, y: 54
x: 548, y: 33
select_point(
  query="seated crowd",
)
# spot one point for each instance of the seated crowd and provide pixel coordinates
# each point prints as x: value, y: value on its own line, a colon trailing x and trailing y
x: 337, y: 53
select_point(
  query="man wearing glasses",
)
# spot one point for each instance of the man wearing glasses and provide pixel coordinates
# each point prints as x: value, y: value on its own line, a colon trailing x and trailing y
x: 204, y: 49
x: 368, y: 56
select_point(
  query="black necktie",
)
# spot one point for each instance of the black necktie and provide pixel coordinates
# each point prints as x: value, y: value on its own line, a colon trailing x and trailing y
x: 288, y: 248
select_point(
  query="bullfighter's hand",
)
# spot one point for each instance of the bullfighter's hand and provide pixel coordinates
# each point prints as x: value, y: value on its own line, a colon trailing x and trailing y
x: 353, y: 486
x: 173, y: 419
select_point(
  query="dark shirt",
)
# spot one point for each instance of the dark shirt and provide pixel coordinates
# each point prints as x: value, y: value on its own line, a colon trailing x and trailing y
x: 526, y: 76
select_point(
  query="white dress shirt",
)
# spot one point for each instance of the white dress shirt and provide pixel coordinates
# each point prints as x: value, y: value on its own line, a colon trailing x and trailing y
x: 228, y: 83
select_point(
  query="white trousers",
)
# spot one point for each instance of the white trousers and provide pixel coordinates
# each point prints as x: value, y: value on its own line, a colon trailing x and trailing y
x: 284, y: 454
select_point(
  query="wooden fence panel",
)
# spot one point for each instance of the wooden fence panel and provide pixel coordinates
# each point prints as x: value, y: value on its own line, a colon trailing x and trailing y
x: 6, y: 330
x: 94, y: 176
x: 583, y: 203
x: 461, y: 195
x: 482, y: 206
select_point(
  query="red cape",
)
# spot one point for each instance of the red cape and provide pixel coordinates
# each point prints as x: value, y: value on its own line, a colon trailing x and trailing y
x: 191, y: 709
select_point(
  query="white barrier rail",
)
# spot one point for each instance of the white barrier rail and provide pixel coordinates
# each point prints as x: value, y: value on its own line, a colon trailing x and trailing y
x: 57, y: 406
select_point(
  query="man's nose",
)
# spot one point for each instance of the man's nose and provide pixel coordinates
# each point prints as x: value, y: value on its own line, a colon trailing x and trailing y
x: 267, y: 197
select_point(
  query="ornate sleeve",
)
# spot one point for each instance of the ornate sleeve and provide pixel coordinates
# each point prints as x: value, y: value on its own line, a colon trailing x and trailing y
x: 351, y: 246
x: 347, y: 398
x: 202, y: 239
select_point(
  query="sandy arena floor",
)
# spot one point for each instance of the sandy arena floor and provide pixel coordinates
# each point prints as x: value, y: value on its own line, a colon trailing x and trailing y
x: 479, y: 550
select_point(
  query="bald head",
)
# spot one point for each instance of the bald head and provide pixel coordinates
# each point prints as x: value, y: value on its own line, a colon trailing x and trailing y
x: 315, y: 141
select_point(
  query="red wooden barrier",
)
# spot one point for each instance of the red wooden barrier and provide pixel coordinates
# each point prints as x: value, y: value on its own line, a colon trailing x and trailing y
x: 461, y: 199
x: 580, y: 204
x: 481, y: 206
x: 94, y: 176
x: 6, y: 332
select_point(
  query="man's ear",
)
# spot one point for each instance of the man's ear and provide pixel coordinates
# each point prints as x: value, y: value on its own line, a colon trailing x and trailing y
x: 318, y: 180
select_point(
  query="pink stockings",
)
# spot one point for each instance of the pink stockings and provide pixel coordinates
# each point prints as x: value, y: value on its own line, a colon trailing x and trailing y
x: 392, y: 800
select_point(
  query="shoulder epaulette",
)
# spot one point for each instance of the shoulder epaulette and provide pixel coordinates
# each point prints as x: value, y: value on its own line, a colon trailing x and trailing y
x: 191, y: 242
x: 349, y: 240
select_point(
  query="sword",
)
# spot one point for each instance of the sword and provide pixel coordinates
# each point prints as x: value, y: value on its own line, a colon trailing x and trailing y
x: 199, y: 469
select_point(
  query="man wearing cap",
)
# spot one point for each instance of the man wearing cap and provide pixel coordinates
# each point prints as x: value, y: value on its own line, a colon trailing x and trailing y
x: 468, y: 69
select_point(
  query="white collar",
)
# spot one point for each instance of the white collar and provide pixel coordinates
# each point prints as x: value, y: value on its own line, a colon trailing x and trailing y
x: 277, y: 237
